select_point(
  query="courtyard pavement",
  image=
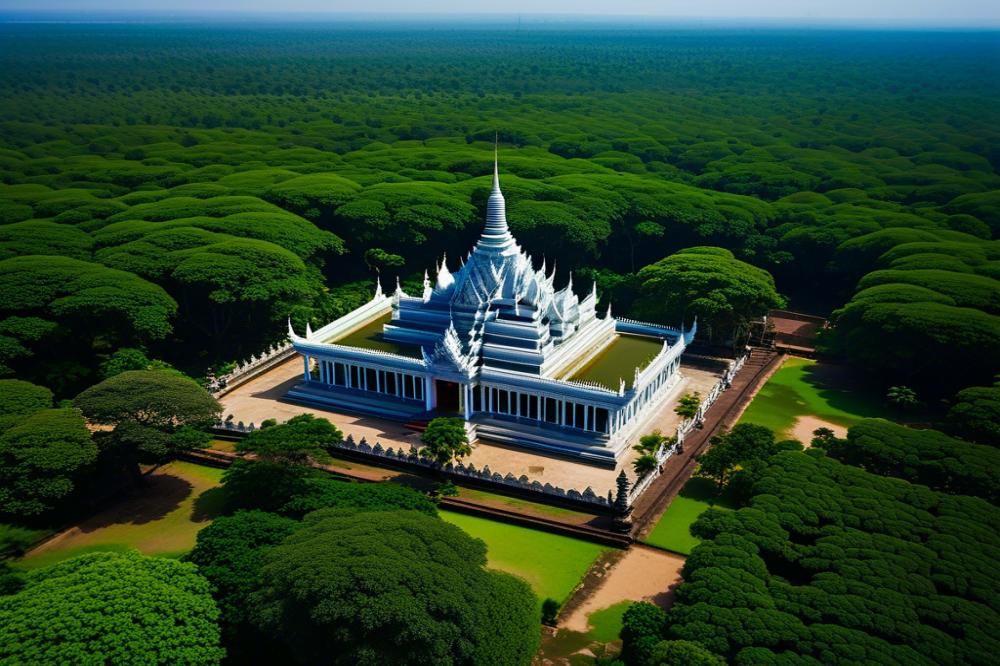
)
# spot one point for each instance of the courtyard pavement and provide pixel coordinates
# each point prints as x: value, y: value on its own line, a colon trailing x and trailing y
x: 261, y: 398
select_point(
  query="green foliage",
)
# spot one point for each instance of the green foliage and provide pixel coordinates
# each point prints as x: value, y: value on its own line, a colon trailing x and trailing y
x: 644, y: 464
x: 927, y: 457
x: 445, y: 440
x: 550, y: 611
x: 302, y: 440
x: 112, y: 608
x: 320, y: 492
x: 710, y: 284
x: 42, y: 459
x: 229, y: 553
x: 42, y: 237
x: 642, y: 627
x: 131, y: 358
x: 976, y: 415
x: 154, y: 413
x: 733, y: 459
x: 833, y: 564
x: 683, y: 653
x: 19, y: 397
x: 688, y: 404
x: 902, y: 397
x: 397, y: 587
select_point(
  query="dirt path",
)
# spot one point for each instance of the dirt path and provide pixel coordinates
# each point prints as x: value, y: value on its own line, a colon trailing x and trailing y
x: 642, y: 574
x: 805, y: 425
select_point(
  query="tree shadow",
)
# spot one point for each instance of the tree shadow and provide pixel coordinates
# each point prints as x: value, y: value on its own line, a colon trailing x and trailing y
x: 210, y: 504
x: 700, y: 489
x: 157, y: 497
x: 839, y: 387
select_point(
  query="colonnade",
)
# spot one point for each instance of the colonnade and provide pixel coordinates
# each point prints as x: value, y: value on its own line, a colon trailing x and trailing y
x: 376, y: 380
x: 557, y: 411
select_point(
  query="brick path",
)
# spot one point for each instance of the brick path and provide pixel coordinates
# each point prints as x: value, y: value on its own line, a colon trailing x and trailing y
x: 723, y: 414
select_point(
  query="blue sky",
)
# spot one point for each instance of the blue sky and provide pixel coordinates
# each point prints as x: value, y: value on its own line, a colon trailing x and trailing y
x: 929, y: 11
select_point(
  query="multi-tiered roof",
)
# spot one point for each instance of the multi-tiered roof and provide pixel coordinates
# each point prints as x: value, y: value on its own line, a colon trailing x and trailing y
x: 496, y: 307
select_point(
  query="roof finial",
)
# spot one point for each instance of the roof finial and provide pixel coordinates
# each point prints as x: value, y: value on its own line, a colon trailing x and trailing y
x: 496, y: 162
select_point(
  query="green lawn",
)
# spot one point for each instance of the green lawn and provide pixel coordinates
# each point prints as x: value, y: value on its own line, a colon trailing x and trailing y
x: 515, y: 503
x: 673, y: 530
x: 803, y: 387
x: 162, y: 519
x: 619, y: 360
x: 606, y: 624
x: 551, y: 563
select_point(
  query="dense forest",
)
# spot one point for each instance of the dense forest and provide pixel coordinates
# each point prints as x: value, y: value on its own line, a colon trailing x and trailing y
x: 201, y: 183
x: 171, y: 194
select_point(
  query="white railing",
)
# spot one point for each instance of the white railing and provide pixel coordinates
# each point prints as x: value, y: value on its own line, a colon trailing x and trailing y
x: 664, y: 452
x: 254, y: 366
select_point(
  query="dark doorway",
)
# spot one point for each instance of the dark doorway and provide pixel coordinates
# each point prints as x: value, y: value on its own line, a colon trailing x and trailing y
x: 447, y: 395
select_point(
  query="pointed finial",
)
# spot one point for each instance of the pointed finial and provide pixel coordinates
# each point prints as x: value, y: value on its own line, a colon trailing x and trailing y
x: 398, y: 287
x: 608, y: 315
x: 378, y: 284
x: 291, y: 331
x: 496, y: 163
x: 309, y: 332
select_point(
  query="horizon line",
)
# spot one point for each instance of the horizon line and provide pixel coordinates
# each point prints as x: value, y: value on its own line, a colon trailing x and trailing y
x: 77, y: 16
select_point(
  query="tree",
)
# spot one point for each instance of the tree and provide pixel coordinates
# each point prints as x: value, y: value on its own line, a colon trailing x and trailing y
x: 643, y: 625
x: 229, y: 553
x: 42, y: 460
x: 398, y: 587
x: 902, y: 397
x: 688, y: 404
x: 683, y: 653
x: 153, y: 414
x: 550, y: 611
x: 644, y: 464
x: 131, y: 358
x: 710, y: 284
x: 445, y: 440
x: 741, y: 447
x: 19, y: 397
x: 975, y: 416
x: 111, y: 608
x: 302, y: 440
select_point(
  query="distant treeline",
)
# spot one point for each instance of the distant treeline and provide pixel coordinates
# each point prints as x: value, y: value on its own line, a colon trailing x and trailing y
x: 242, y: 174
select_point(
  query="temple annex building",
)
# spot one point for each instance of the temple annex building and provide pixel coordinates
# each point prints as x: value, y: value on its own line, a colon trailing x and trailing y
x: 496, y: 343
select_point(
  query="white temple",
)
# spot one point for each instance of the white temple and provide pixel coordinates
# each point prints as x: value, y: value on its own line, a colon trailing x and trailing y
x: 495, y: 342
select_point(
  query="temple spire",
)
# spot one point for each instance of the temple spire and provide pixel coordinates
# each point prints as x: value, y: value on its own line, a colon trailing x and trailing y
x: 496, y: 235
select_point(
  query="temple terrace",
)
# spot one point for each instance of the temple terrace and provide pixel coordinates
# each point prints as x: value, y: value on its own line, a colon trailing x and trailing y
x: 495, y: 343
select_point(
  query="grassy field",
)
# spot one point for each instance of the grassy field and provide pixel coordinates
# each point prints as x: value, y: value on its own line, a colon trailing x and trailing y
x: 518, y: 504
x: 552, y: 564
x: 803, y: 387
x: 673, y: 530
x: 162, y: 519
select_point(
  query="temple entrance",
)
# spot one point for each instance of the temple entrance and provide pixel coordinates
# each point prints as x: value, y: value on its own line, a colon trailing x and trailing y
x: 447, y: 396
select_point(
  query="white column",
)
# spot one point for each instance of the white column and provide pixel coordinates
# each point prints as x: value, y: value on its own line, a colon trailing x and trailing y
x: 305, y: 363
x: 467, y: 398
x: 428, y: 398
x: 586, y: 417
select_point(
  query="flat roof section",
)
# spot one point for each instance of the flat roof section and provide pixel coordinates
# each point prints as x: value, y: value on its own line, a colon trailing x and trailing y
x: 370, y: 336
x: 619, y: 360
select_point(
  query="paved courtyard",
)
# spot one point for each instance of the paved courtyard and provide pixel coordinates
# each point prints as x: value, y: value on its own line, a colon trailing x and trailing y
x: 261, y: 398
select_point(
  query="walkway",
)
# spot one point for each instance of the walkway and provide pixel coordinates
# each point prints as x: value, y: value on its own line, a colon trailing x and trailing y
x: 723, y: 415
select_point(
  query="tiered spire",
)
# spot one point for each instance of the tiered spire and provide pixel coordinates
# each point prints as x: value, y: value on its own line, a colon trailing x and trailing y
x: 496, y: 234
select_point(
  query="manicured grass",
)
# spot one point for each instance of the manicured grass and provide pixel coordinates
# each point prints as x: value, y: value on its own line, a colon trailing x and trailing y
x: 162, y: 519
x: 673, y: 530
x: 606, y: 624
x: 620, y: 360
x: 803, y: 387
x: 370, y: 336
x: 551, y: 563
x: 521, y: 504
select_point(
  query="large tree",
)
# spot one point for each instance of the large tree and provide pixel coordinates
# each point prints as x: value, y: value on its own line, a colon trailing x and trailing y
x: 111, y: 608
x: 154, y: 414
x: 975, y: 416
x: 397, y: 587
x: 229, y: 554
x: 42, y: 459
x: 445, y: 440
x: 708, y: 283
